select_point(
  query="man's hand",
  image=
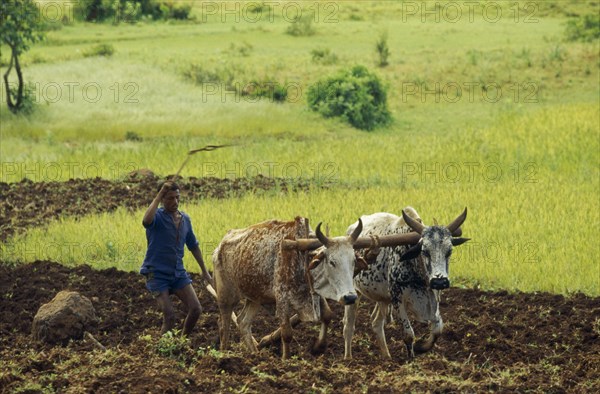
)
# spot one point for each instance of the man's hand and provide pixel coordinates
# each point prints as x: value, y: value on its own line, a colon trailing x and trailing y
x: 208, y: 279
x: 165, y: 189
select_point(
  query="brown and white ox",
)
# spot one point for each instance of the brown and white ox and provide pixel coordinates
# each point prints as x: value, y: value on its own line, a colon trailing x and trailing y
x: 407, y: 278
x: 251, y: 265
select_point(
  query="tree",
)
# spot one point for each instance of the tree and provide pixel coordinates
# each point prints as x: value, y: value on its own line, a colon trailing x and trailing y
x: 20, y: 26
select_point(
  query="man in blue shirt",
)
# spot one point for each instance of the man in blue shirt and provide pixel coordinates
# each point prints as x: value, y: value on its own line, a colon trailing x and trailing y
x: 167, y: 231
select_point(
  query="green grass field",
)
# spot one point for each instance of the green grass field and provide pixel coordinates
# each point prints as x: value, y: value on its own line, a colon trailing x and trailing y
x: 523, y: 155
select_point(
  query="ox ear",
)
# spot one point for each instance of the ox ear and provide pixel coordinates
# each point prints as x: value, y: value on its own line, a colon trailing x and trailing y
x: 459, y: 241
x: 361, y: 265
x: 412, y: 253
x: 316, y: 261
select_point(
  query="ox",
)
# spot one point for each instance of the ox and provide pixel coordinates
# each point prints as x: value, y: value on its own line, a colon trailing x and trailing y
x: 250, y: 265
x: 408, y: 278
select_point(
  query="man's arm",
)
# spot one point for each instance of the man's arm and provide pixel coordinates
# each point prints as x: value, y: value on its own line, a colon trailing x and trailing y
x: 198, y: 256
x: 151, y: 211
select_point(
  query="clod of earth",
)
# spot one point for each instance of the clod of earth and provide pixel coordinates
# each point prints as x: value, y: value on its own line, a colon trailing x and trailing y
x: 66, y: 317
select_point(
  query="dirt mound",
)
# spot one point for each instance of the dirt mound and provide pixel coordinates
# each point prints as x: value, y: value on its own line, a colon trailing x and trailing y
x: 492, y: 341
x: 27, y: 204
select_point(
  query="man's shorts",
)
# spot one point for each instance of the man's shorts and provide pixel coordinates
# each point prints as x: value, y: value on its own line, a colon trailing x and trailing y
x: 156, y: 283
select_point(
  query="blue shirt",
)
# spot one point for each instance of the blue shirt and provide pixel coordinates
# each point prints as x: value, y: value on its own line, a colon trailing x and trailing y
x: 165, y: 244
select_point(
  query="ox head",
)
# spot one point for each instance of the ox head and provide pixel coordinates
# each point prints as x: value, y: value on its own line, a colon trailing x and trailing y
x: 333, y: 265
x: 435, y: 249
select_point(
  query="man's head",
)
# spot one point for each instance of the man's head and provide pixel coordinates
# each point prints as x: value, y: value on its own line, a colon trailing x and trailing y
x: 170, y: 197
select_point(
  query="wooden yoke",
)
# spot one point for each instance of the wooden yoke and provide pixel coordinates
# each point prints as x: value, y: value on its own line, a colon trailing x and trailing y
x: 361, y: 243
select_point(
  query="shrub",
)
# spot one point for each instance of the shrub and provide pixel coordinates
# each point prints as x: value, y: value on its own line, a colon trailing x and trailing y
x: 355, y: 95
x: 100, y: 50
x: 585, y: 28
x: 29, y: 99
x: 243, y: 49
x: 201, y: 75
x: 257, y: 8
x: 130, y: 10
x: 173, y: 10
x: 132, y: 136
x: 324, y: 56
x: 383, y: 51
x: 301, y: 26
x: 267, y: 89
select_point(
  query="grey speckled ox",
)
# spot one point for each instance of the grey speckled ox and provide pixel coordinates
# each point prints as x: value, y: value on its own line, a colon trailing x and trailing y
x: 407, y: 278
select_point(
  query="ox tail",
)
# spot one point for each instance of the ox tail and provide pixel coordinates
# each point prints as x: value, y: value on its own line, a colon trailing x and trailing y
x: 216, y: 262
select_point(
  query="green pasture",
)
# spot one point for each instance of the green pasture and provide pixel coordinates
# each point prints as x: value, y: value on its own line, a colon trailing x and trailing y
x: 521, y: 154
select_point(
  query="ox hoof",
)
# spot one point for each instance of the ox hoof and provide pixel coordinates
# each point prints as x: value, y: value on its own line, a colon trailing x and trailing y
x: 318, y: 348
x: 423, y: 345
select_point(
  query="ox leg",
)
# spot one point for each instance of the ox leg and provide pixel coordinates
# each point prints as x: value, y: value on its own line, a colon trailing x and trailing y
x: 349, y: 322
x: 409, y: 334
x: 326, y: 314
x: 276, y: 335
x: 390, y: 317
x: 286, y: 338
x: 227, y: 299
x: 245, y: 324
x: 378, y: 324
x: 375, y: 311
x: 225, y: 324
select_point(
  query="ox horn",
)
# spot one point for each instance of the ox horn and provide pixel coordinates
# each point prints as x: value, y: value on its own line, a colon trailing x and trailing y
x: 456, y: 223
x: 357, y: 231
x: 412, y: 223
x: 324, y: 240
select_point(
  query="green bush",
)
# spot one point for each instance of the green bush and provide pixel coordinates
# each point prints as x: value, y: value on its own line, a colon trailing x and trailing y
x: 29, y: 100
x: 273, y: 91
x: 585, y: 28
x: 130, y: 10
x: 383, y: 50
x: 324, y: 56
x: 301, y: 26
x: 132, y: 136
x: 174, y: 10
x: 224, y: 75
x: 243, y: 49
x: 100, y: 50
x: 355, y: 95
x: 261, y: 8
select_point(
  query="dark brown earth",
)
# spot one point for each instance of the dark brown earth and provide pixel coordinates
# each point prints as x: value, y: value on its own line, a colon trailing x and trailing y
x: 492, y: 342
x: 26, y: 204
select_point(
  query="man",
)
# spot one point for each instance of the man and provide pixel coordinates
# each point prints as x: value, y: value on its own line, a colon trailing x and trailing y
x: 167, y: 230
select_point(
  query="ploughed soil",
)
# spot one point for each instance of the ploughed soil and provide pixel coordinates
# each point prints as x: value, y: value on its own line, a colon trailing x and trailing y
x: 492, y: 342
x: 26, y: 204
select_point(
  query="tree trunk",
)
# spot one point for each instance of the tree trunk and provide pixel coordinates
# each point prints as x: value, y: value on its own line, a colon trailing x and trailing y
x: 14, y: 106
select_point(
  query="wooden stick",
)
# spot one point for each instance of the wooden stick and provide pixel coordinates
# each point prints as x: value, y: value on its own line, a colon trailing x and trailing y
x: 207, y: 148
x: 94, y: 340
